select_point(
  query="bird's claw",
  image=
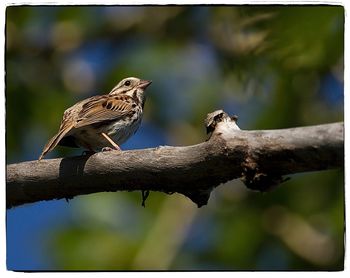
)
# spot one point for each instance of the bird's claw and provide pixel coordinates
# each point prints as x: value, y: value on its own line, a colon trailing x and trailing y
x: 107, y: 149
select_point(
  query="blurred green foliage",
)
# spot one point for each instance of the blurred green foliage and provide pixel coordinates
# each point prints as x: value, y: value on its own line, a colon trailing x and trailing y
x: 273, y: 66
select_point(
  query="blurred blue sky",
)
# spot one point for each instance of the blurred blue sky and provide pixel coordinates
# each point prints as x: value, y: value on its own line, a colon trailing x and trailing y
x: 27, y: 228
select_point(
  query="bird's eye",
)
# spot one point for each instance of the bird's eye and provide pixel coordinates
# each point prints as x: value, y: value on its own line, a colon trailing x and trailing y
x: 127, y: 83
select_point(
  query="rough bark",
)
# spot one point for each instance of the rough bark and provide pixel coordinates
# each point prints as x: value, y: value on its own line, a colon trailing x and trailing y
x: 259, y: 158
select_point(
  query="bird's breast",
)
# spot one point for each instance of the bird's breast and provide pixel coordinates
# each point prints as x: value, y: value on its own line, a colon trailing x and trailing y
x: 121, y: 130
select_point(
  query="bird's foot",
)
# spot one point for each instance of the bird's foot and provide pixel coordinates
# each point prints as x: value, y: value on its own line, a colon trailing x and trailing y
x: 108, y: 149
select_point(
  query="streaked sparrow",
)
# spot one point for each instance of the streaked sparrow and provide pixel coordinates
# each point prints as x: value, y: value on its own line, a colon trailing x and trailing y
x: 103, y: 120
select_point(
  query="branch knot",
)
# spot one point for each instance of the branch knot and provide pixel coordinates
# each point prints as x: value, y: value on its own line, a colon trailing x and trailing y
x: 258, y: 180
x: 216, y: 117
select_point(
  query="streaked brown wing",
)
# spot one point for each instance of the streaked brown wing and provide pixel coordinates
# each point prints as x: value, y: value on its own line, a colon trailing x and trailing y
x: 104, y: 108
x: 71, y: 114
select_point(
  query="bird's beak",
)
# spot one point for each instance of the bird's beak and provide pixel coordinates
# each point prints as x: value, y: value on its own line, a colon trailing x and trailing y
x: 144, y: 84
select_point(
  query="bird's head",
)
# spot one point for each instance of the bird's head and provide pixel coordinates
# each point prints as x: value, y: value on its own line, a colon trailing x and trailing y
x: 131, y: 86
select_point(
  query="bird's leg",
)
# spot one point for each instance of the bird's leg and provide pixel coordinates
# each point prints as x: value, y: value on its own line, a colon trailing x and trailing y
x: 115, y: 146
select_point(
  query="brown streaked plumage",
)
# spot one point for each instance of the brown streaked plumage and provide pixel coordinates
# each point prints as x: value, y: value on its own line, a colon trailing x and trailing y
x: 92, y: 122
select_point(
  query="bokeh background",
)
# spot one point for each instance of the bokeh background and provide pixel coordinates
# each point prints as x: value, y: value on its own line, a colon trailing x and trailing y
x: 273, y: 66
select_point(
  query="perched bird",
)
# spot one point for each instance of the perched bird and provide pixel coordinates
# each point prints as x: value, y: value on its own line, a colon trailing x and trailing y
x: 93, y: 122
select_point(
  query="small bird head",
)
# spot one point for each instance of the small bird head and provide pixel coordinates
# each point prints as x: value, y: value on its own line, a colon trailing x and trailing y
x: 131, y: 86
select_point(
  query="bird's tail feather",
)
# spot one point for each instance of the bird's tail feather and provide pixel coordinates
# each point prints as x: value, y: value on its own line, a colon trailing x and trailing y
x: 53, y: 142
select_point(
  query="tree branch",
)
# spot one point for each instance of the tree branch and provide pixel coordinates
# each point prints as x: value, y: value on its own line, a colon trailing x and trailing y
x: 259, y: 158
